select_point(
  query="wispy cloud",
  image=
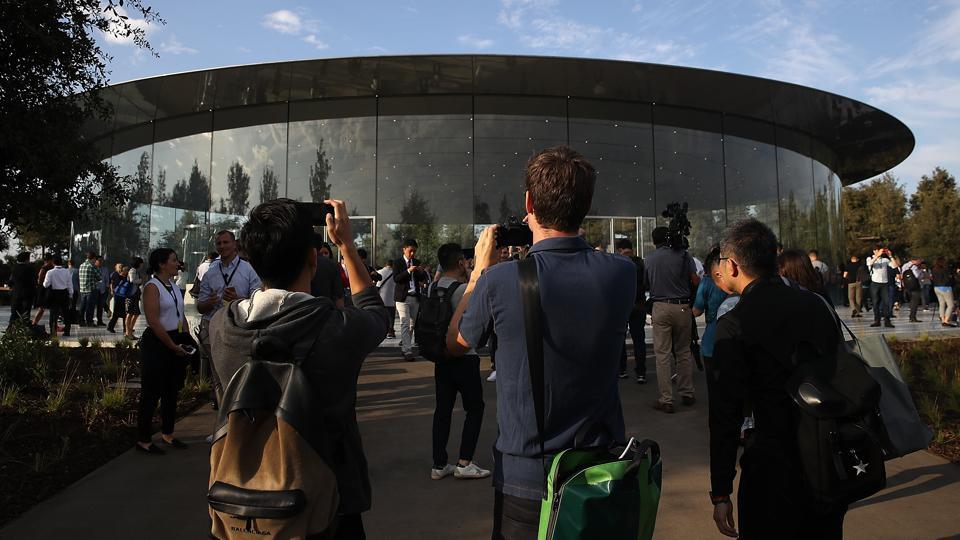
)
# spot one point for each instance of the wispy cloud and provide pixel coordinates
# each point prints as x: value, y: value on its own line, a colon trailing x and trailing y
x: 513, y: 12
x: 283, y: 21
x: 935, y: 44
x: 173, y: 46
x: 312, y: 39
x: 933, y: 100
x: 475, y: 42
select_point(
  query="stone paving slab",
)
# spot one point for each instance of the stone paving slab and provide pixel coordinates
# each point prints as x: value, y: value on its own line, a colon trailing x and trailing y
x: 146, y: 497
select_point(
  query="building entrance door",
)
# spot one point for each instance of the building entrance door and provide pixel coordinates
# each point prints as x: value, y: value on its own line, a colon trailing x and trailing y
x: 604, y: 232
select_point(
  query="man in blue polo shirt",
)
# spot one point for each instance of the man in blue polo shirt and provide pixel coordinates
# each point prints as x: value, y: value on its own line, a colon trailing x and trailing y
x: 586, y: 298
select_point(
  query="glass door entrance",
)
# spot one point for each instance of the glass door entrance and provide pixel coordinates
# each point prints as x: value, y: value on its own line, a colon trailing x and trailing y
x: 604, y: 232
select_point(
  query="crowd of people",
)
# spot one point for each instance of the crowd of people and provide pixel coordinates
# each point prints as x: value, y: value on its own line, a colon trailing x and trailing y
x: 332, y: 315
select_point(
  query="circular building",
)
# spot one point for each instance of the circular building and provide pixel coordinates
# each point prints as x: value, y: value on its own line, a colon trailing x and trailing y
x: 434, y: 147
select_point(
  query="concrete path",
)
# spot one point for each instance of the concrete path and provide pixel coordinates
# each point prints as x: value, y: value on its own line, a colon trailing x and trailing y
x: 147, y: 497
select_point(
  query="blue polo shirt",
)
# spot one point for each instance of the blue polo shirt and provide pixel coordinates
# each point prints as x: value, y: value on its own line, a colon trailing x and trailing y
x: 586, y: 297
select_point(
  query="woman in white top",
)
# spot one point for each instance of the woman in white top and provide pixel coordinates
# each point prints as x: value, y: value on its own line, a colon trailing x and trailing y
x: 165, y: 348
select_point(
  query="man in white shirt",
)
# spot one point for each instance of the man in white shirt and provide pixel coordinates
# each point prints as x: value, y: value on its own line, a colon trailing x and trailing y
x: 59, y: 285
x: 879, y: 289
x: 226, y: 279
x: 205, y: 265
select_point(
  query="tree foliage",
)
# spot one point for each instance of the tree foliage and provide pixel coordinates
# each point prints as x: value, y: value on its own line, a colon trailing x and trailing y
x: 238, y: 189
x: 319, y: 172
x: 50, y: 69
x: 934, y: 225
x: 875, y: 212
x: 269, y: 185
x: 192, y: 193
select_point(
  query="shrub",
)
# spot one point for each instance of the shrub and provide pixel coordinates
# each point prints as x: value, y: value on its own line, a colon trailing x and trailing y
x: 83, y: 342
x: 9, y: 395
x: 59, y: 394
x: 18, y: 352
x: 114, y: 398
x: 96, y: 342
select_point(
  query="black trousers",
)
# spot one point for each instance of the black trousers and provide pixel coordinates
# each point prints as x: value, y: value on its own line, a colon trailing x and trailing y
x: 20, y: 307
x: 118, y: 314
x: 450, y: 377
x: 59, y: 303
x: 163, y: 373
x: 515, y: 518
x: 350, y: 527
x: 638, y: 319
x: 773, y: 502
x: 880, y: 298
x: 915, y: 299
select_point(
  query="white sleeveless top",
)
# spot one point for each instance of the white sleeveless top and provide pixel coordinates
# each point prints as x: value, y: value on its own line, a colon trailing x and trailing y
x: 171, y: 303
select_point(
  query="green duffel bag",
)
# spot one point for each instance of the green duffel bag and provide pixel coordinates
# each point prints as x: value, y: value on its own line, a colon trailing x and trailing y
x: 607, y: 493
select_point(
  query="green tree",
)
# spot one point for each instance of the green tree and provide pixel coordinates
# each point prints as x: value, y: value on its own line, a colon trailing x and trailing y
x: 238, y: 189
x: 50, y: 71
x: 141, y: 186
x: 269, y: 185
x: 934, y: 222
x: 875, y: 212
x: 319, y: 172
x: 160, y: 193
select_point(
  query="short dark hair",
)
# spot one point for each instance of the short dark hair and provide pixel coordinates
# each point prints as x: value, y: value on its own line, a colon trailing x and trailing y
x: 277, y: 238
x: 409, y: 242
x: 624, y: 243
x: 362, y: 253
x: 560, y: 182
x: 57, y: 260
x: 659, y: 235
x: 91, y: 255
x: 158, y: 257
x: 212, y: 255
x: 23, y: 256
x: 222, y: 232
x: 712, y: 258
x: 449, y: 255
x: 136, y: 262
x: 753, y: 246
x: 878, y: 245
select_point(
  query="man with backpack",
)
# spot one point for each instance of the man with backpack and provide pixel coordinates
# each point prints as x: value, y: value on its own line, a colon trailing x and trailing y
x: 911, y: 286
x: 451, y: 375
x: 287, y: 455
x: 754, y: 347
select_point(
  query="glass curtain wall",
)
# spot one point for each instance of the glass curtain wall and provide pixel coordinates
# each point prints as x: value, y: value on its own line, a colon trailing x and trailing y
x: 750, y: 169
x: 798, y: 227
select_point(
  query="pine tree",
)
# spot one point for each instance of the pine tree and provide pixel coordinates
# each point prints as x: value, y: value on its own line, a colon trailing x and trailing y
x: 198, y: 190
x: 269, y: 185
x: 160, y: 193
x: 238, y: 189
x: 319, y: 172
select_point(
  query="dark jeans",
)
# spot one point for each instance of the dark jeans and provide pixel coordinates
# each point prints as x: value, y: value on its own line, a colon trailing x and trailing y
x: 515, y: 518
x: 915, y: 299
x: 20, y: 307
x: 161, y: 380
x: 772, y: 501
x: 451, y: 376
x: 102, y: 305
x: 880, y: 298
x: 119, y: 313
x: 88, y: 302
x: 493, y: 351
x: 59, y: 302
x: 638, y: 319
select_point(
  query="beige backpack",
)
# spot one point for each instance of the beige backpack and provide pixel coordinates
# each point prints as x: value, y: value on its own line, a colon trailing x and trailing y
x: 268, y: 475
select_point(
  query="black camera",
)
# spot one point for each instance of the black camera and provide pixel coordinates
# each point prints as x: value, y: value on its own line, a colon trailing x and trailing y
x: 679, y: 227
x: 514, y: 233
x: 316, y: 212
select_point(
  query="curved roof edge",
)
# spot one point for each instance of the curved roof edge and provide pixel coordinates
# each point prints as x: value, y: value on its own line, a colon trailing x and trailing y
x: 865, y: 140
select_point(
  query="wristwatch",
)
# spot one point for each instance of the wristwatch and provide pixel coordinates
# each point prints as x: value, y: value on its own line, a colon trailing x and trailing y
x: 717, y: 499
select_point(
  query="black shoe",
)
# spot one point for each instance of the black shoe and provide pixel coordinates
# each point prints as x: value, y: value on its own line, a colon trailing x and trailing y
x: 101, y: 323
x: 152, y: 449
x: 688, y: 400
x: 914, y: 320
x: 875, y: 325
x: 663, y: 407
x: 214, y: 405
x: 623, y: 375
x: 408, y: 357
x: 175, y: 443
x: 888, y: 324
x: 641, y: 379
x: 111, y: 330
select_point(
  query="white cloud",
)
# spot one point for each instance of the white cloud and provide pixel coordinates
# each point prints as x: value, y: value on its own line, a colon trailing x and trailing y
x: 934, y: 45
x: 475, y: 42
x: 512, y: 13
x: 173, y: 46
x: 115, y: 28
x: 283, y: 21
x: 316, y: 42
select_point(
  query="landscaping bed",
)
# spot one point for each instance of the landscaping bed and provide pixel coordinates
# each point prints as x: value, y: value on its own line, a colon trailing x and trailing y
x: 64, y: 412
x: 932, y: 369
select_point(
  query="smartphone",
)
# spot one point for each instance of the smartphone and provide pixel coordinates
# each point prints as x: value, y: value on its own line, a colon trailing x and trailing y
x: 316, y: 212
x: 189, y: 348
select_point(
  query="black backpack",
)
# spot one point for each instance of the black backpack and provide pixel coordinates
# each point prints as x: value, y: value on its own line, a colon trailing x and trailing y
x: 430, y: 330
x: 910, y: 281
x: 839, y: 428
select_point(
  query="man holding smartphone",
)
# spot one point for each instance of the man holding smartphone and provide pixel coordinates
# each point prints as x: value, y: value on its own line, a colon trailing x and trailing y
x: 228, y: 278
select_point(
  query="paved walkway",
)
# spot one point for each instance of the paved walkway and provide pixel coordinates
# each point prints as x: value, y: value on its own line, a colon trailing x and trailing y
x: 146, y: 497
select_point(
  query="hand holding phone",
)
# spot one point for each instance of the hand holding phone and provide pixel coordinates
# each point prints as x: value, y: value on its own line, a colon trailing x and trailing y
x: 189, y: 349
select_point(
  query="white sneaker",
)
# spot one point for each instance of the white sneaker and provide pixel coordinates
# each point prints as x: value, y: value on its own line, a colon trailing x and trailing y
x: 439, y: 474
x: 492, y: 377
x: 471, y: 471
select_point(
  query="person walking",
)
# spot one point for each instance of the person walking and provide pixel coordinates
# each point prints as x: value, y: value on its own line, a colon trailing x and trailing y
x: 23, y: 283
x: 912, y: 291
x: 119, y: 289
x: 132, y: 302
x: 943, y: 282
x: 880, y: 264
x: 40, y: 302
x: 926, y: 285
x: 165, y: 348
x: 409, y: 276
x: 854, y: 287
x: 59, y: 286
x: 89, y: 285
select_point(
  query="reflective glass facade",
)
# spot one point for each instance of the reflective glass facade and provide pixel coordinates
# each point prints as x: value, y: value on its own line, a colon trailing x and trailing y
x: 434, y: 148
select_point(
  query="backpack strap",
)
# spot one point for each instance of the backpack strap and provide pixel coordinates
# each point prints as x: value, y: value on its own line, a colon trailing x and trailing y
x: 530, y: 295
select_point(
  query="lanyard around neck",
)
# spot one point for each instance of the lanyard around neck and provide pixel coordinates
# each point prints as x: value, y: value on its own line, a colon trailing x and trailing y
x: 176, y: 304
x: 227, y: 280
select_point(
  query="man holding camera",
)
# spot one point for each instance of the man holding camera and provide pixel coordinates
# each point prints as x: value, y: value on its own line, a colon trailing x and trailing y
x: 409, y: 277
x: 672, y: 277
x: 330, y: 342
x: 586, y: 297
x: 227, y: 279
x: 879, y: 264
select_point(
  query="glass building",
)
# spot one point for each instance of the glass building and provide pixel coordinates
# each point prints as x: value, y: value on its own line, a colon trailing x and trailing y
x: 433, y: 147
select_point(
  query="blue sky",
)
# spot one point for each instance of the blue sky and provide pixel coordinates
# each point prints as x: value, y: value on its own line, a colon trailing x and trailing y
x: 903, y: 57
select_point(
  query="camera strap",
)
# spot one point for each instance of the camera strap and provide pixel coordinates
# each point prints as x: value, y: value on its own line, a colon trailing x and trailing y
x: 533, y: 328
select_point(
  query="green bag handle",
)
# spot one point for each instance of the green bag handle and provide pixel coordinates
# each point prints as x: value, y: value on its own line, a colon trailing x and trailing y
x: 642, y: 448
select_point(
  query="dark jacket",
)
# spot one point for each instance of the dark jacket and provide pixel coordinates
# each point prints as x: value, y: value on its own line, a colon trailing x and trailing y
x: 24, y: 280
x: 403, y: 277
x: 344, y: 338
x: 753, y: 345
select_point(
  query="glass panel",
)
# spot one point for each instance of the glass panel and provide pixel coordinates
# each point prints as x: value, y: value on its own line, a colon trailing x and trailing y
x: 647, y: 225
x: 126, y: 229
x: 335, y: 157
x: 751, y: 172
x: 823, y: 216
x: 689, y: 162
x: 626, y: 229
x: 506, y: 137
x: 248, y: 168
x: 618, y: 140
x: 797, y: 218
x: 596, y: 231
x: 182, y: 172
x: 429, y: 237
